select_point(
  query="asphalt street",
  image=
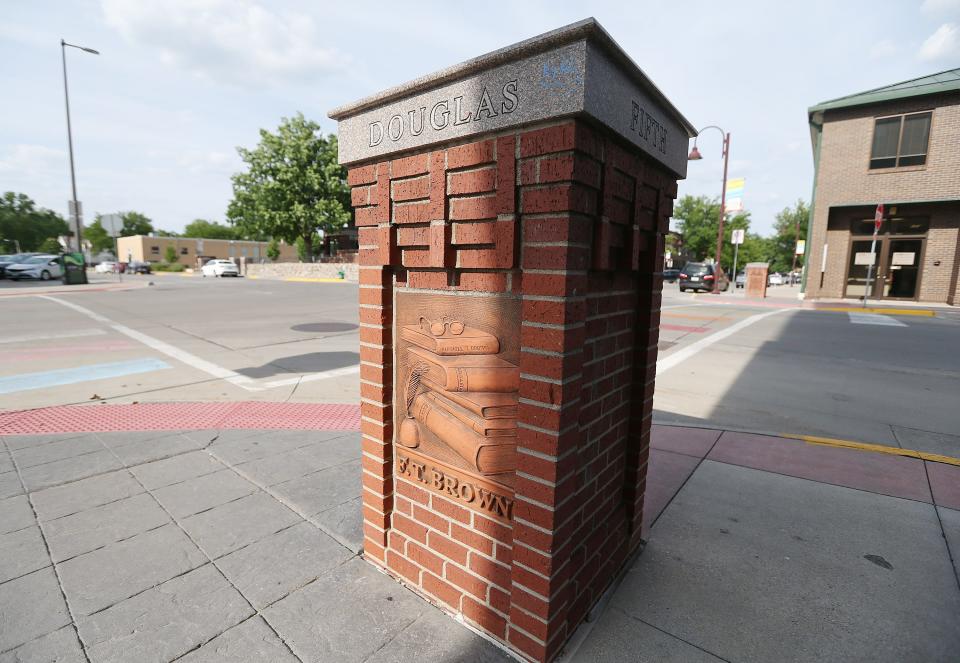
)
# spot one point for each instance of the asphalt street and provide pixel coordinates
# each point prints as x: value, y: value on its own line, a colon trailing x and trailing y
x: 882, y: 379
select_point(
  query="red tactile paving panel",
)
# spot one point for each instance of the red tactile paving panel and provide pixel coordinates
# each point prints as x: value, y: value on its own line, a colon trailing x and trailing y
x: 180, y: 416
x: 683, y: 440
x: 945, y: 482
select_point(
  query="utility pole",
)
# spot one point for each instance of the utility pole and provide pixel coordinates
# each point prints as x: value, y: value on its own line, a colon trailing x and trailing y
x: 75, y: 208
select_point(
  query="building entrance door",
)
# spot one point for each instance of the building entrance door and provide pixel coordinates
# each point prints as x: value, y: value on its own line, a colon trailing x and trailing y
x: 896, y: 268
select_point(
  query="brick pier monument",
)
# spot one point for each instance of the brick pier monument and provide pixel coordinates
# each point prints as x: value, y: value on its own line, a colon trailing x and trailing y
x: 511, y: 212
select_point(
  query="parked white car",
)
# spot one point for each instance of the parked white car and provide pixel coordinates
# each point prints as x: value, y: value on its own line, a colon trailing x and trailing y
x: 106, y: 267
x: 775, y: 279
x: 43, y: 267
x: 219, y: 268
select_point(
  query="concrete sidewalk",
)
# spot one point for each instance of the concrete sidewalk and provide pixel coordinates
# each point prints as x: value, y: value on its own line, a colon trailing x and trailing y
x: 243, y: 546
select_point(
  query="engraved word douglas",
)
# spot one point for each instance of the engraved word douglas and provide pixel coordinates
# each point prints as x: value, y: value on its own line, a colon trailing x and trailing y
x: 445, y: 113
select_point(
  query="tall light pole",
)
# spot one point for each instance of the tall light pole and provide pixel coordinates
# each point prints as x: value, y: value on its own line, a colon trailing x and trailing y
x: 73, y: 177
x: 696, y: 156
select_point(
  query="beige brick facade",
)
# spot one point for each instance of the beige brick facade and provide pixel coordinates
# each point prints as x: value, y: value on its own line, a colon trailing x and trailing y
x: 846, y: 188
x: 153, y: 249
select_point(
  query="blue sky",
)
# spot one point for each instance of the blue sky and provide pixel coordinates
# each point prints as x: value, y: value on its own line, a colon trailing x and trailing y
x: 181, y: 83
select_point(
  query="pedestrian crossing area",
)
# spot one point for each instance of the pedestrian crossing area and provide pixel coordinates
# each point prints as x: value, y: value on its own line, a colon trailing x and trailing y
x: 875, y: 319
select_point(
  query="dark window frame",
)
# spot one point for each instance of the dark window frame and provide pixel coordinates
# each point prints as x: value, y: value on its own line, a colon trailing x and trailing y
x: 883, y: 162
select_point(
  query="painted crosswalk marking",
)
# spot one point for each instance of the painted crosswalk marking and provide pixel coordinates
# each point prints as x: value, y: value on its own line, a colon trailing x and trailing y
x: 875, y: 319
x: 26, y: 381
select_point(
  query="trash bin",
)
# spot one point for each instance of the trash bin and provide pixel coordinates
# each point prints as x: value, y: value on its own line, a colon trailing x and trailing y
x: 74, y: 268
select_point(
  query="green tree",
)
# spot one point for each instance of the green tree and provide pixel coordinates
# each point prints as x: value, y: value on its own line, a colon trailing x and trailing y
x: 699, y: 218
x: 135, y: 223
x: 273, y: 249
x: 210, y: 230
x: 22, y: 221
x: 97, y: 236
x: 166, y: 233
x: 170, y: 253
x: 791, y: 225
x: 293, y: 185
x: 50, y: 245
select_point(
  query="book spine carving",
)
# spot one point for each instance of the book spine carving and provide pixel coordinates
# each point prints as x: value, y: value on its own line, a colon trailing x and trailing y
x: 461, y: 393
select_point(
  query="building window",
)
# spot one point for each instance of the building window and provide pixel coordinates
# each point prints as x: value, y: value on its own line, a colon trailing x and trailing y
x: 900, y: 140
x: 155, y: 250
x: 184, y: 251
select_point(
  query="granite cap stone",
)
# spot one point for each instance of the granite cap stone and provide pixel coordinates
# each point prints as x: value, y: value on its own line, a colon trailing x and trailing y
x: 576, y: 70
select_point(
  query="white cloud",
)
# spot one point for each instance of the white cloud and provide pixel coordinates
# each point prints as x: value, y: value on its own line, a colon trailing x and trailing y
x: 941, y: 7
x: 239, y: 42
x: 32, y: 160
x: 882, y: 49
x: 942, y: 44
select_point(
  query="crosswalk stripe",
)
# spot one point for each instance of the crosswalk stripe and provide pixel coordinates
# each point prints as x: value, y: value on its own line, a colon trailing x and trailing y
x: 875, y: 319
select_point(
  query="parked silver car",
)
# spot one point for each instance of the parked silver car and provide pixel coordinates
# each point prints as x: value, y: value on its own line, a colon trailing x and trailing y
x: 42, y: 267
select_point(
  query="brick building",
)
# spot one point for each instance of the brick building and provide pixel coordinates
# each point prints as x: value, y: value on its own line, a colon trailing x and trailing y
x: 896, y: 145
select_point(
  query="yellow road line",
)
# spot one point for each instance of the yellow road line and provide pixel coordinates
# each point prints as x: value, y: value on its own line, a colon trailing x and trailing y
x: 875, y: 448
x: 882, y: 311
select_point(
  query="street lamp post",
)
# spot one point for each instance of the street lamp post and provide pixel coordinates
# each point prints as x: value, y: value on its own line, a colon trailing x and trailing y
x: 73, y: 177
x: 696, y: 156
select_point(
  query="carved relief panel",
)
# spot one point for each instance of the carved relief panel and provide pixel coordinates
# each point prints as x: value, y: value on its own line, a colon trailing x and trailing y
x: 458, y: 377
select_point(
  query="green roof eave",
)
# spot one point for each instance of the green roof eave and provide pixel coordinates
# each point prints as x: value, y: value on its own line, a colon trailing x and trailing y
x: 944, y: 81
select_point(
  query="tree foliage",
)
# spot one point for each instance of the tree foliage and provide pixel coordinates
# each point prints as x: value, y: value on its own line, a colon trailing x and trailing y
x: 273, y: 249
x: 97, y: 236
x: 50, y: 245
x: 791, y: 225
x: 205, y: 229
x: 170, y: 253
x: 23, y: 221
x: 293, y: 186
x: 135, y: 223
x: 699, y: 219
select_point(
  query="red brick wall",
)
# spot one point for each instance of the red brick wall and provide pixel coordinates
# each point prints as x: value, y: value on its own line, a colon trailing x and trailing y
x: 571, y: 223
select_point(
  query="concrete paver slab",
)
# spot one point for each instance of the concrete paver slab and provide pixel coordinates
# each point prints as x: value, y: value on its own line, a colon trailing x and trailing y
x: 46, y: 453
x: 15, y: 513
x: 103, y: 577
x: 336, y: 451
x: 684, y: 440
x: 149, y: 450
x: 436, y: 637
x: 231, y: 526
x: 173, y: 470
x: 22, y: 552
x: 236, y: 450
x: 61, y: 646
x: 269, y: 569
x: 321, y: 621
x: 10, y: 484
x: 14, y: 442
x: 801, y: 570
x: 202, y: 493
x: 945, y: 482
x: 84, y: 494
x: 619, y: 637
x: 30, y: 606
x: 324, y: 489
x: 166, y: 621
x: 118, y: 439
x: 69, y: 469
x: 94, y: 528
x: 950, y: 520
x: 897, y: 476
x: 282, y: 467
x: 6, y: 463
x: 345, y: 522
x: 665, y: 474
x: 251, y: 642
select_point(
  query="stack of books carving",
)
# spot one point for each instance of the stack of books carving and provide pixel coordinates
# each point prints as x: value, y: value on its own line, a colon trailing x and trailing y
x: 466, y: 396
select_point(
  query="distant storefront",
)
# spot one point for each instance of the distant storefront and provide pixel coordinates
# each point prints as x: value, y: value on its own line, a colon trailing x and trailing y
x: 898, y: 145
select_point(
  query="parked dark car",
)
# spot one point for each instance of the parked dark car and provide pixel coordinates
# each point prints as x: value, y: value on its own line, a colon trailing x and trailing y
x: 671, y: 275
x: 700, y: 276
x: 137, y: 267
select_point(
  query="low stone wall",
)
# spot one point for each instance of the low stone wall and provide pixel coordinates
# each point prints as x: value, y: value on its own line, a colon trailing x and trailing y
x: 303, y: 270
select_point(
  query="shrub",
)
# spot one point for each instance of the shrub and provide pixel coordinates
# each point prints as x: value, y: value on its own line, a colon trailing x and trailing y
x: 168, y: 267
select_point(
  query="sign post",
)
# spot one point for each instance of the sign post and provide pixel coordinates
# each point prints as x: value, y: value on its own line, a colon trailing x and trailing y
x: 113, y: 224
x: 877, y: 222
x: 736, y: 238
